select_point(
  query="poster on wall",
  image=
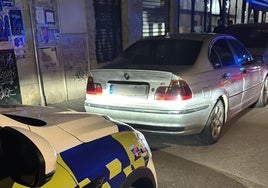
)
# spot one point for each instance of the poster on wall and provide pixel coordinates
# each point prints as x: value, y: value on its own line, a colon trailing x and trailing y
x: 39, y: 15
x: 49, y: 17
x: 7, y: 3
x: 9, y: 80
x: 47, y: 36
x: 12, y: 34
x: 4, y: 28
x: 49, y: 60
x: 16, y: 22
x: 19, y: 46
x: 6, y: 45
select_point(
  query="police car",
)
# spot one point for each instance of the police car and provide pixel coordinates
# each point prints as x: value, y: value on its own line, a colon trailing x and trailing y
x: 49, y: 148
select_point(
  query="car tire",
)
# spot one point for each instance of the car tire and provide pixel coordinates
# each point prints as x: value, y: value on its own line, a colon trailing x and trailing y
x: 263, y: 99
x: 212, y: 130
x: 139, y: 178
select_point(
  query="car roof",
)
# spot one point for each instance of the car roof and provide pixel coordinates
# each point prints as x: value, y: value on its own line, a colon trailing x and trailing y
x: 247, y: 26
x: 192, y: 36
x: 253, y: 35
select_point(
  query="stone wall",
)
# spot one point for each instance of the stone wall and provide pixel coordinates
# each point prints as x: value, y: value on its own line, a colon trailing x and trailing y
x: 27, y: 69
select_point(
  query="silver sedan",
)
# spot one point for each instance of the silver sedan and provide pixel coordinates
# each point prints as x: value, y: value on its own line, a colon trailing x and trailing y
x: 181, y: 84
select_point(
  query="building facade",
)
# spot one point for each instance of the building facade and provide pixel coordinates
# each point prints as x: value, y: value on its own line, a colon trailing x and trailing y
x: 47, y: 47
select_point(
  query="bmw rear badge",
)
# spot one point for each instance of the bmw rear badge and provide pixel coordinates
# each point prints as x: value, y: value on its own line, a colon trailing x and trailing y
x: 126, y: 76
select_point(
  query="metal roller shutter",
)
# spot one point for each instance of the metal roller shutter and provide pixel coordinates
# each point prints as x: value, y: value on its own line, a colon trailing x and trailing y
x: 108, y: 29
x: 155, y: 17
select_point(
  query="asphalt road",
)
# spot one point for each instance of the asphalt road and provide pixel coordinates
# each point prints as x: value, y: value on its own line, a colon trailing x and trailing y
x: 238, y: 160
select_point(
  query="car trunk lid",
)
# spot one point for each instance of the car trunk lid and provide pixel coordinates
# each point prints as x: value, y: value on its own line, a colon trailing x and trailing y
x: 132, y: 88
x: 127, y: 83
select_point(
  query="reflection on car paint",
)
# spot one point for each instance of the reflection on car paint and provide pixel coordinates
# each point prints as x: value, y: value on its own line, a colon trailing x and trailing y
x: 115, y: 167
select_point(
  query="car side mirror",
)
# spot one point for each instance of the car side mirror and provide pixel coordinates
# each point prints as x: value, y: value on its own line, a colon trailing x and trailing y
x: 28, y: 158
x: 258, y: 59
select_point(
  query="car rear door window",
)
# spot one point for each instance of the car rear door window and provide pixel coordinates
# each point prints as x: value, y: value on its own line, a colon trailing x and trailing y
x: 221, y: 54
x: 214, y: 58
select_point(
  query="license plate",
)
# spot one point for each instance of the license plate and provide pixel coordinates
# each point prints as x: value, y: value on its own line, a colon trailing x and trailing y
x: 128, y: 90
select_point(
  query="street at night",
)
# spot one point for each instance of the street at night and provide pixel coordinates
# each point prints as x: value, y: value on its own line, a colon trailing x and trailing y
x: 239, y: 159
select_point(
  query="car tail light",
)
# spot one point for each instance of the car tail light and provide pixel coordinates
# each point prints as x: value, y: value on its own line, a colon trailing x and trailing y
x: 178, y: 89
x: 93, y: 88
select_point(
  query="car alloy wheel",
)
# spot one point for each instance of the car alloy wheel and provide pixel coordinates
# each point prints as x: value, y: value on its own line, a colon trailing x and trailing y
x: 212, y: 130
x: 216, y: 120
x: 263, y: 99
x: 265, y: 91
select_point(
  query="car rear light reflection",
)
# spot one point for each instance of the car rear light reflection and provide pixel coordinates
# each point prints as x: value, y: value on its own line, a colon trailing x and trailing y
x: 178, y: 89
x: 93, y: 88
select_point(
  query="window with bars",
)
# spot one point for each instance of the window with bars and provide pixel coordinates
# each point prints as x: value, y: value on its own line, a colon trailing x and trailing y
x: 155, y: 17
x: 108, y: 29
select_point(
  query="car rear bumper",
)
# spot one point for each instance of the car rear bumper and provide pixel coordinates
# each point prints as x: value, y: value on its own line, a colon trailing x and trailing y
x: 188, y: 121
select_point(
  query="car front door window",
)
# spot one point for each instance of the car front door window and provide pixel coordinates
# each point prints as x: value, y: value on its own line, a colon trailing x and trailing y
x: 230, y: 73
x: 251, y: 72
x: 242, y: 54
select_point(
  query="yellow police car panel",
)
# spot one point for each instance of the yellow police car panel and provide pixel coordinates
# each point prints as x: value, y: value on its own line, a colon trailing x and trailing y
x: 46, y: 147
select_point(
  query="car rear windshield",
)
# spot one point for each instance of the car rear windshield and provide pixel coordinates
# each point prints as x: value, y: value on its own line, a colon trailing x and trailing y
x: 173, y: 52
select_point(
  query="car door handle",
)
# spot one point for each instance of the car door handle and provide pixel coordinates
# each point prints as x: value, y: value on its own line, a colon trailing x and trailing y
x: 226, y: 76
x: 243, y: 71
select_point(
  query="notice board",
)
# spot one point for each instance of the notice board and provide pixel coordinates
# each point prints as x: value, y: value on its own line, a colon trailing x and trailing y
x: 9, y: 80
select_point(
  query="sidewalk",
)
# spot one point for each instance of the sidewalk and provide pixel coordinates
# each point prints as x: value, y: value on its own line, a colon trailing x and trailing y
x: 77, y: 105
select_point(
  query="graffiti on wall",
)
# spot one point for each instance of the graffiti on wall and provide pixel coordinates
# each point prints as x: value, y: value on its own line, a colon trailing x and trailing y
x: 81, y: 73
x: 75, y: 56
x: 9, y: 81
